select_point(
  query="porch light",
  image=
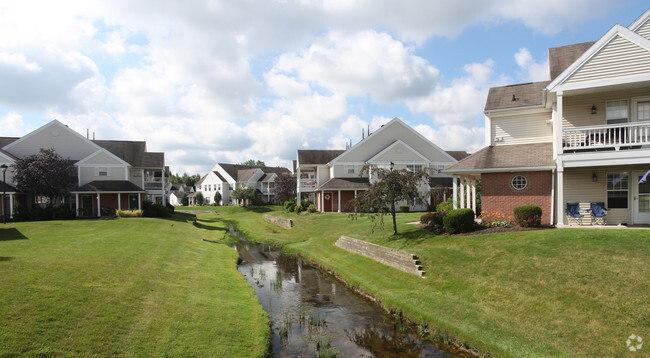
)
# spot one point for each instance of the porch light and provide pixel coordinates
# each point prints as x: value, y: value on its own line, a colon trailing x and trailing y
x: 594, y: 177
x: 392, y: 165
x: 594, y: 110
x: 4, y: 191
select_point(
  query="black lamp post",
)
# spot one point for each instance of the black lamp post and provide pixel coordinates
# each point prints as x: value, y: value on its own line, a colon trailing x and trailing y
x: 4, y: 191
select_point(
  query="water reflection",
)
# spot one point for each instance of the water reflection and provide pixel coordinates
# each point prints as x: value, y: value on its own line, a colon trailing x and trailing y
x: 312, y: 313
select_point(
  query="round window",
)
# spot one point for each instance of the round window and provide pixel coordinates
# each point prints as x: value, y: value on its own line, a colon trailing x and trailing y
x: 519, y: 182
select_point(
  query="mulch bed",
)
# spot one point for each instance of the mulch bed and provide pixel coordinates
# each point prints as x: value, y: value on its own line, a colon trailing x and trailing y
x: 480, y: 230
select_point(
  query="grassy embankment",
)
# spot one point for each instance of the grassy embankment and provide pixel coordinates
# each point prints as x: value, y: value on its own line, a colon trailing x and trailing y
x: 127, y: 287
x: 544, y: 293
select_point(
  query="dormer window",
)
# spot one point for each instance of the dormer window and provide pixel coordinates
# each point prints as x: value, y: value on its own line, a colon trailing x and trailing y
x: 102, y: 172
x: 350, y: 169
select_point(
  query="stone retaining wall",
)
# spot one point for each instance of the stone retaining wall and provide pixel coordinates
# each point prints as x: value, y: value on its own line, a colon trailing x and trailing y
x: 395, y: 258
x: 282, y: 222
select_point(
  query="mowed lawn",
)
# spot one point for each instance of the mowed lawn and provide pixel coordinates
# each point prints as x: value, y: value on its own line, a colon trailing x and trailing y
x: 546, y: 293
x: 135, y: 287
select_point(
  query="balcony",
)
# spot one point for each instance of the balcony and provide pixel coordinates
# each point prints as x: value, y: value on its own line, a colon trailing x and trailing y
x: 607, y: 137
x: 153, y: 185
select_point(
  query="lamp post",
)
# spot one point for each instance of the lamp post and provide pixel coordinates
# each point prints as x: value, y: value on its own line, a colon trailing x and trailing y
x: 4, y: 191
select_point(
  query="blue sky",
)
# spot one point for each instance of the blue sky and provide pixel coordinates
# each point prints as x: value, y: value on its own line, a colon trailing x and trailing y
x: 224, y: 81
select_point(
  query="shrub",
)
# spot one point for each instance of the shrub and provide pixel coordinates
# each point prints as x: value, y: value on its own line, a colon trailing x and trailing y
x: 154, y: 210
x: 433, y: 219
x: 306, y: 203
x: 311, y: 208
x: 528, y: 215
x: 289, y: 205
x: 404, y: 208
x: 446, y: 206
x: 459, y: 221
x: 128, y: 213
x: 298, y: 208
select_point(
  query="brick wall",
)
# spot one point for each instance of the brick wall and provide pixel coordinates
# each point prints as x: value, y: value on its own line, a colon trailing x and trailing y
x: 498, y: 195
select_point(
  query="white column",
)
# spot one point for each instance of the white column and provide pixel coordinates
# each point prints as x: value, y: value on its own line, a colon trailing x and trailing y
x: 139, y: 201
x: 462, y: 193
x: 474, y: 196
x: 297, y: 184
x: 558, y: 114
x: 164, y: 194
x: 99, y: 204
x: 322, y: 201
x: 119, y: 201
x: 11, y: 206
x: 76, y: 198
x: 339, y: 200
x: 560, y: 194
x: 455, y: 192
x: 469, y: 194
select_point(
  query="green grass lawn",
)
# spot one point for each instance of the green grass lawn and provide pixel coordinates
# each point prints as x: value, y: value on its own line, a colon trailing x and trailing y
x: 547, y: 293
x: 136, y: 287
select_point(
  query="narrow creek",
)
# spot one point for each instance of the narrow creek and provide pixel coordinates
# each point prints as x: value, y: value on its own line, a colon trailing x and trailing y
x: 314, y: 315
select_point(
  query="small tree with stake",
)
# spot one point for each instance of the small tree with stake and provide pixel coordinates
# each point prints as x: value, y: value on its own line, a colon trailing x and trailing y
x: 391, y: 187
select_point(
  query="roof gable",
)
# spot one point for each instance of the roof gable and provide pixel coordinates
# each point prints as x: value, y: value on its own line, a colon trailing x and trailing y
x: 392, y: 131
x: 620, y: 56
x: 65, y: 142
x: 102, y: 157
x: 398, y: 152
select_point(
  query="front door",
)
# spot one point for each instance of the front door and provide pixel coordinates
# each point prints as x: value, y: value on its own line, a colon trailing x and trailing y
x: 641, y: 205
x: 327, y: 202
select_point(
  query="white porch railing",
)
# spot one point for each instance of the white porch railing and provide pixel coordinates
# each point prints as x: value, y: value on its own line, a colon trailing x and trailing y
x: 608, y: 136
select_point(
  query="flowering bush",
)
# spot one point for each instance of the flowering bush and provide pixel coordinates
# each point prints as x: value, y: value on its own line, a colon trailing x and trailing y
x: 496, y: 219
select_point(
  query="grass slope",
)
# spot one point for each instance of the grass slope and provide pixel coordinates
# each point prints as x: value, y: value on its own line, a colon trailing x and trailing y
x: 127, y: 287
x: 547, y: 293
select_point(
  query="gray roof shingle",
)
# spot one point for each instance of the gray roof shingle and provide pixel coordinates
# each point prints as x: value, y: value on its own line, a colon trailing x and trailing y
x: 109, y: 186
x: 513, y: 96
x: 506, y: 157
x: 133, y: 152
x: 346, y: 183
x: 317, y: 156
x: 560, y: 58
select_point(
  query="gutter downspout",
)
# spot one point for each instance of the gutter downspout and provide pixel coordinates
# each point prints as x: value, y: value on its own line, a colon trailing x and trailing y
x: 552, y: 197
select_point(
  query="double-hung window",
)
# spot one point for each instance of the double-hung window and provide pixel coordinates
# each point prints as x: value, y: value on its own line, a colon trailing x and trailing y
x: 616, y: 111
x: 414, y: 167
x: 617, y: 190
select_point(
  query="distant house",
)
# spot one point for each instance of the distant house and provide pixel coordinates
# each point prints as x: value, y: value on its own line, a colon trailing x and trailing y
x: 226, y: 178
x: 331, y: 178
x: 177, y: 191
x: 109, y: 174
x: 582, y: 136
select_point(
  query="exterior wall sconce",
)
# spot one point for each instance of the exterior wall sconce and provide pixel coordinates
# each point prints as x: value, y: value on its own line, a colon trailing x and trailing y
x: 594, y: 177
x: 594, y: 110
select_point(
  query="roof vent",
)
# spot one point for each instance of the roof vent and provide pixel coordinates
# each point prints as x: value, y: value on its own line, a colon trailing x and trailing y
x: 514, y: 98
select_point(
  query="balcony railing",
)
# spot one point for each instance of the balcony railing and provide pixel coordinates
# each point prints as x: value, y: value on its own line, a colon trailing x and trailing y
x: 153, y: 186
x: 616, y: 136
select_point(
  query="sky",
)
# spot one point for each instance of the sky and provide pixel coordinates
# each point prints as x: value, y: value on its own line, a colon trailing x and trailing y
x: 224, y: 81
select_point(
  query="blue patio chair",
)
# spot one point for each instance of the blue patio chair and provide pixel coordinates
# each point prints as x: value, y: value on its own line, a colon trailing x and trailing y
x: 573, y: 215
x: 598, y: 213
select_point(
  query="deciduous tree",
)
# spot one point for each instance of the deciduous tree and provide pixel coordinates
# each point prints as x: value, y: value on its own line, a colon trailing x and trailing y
x: 44, y: 174
x: 245, y: 193
x: 254, y: 163
x: 285, y: 187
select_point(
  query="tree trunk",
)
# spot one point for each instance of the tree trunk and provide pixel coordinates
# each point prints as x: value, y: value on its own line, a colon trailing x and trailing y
x: 392, y: 211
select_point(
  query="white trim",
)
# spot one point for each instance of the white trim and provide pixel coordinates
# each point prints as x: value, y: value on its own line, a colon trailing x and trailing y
x: 387, y: 125
x: 558, y: 83
x: 51, y: 123
x: 634, y: 103
x: 597, y: 159
x: 395, y: 143
x: 639, y: 21
x: 105, y: 151
x: 604, y: 83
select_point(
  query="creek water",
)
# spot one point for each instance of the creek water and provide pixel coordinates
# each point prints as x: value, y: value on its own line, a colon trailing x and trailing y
x: 313, y: 314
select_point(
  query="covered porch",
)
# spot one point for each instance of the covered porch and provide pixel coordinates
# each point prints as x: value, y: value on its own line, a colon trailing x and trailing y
x: 336, y: 194
x: 99, y: 198
x: 8, y: 194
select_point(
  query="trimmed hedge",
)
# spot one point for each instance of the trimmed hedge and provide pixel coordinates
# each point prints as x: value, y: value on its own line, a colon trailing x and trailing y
x: 433, y: 219
x: 404, y: 208
x: 459, y: 221
x: 528, y: 215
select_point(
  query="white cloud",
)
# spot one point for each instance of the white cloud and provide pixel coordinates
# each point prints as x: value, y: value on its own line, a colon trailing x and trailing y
x: 460, y: 102
x: 12, y: 125
x: 533, y: 71
x: 18, y: 62
x: 360, y: 64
